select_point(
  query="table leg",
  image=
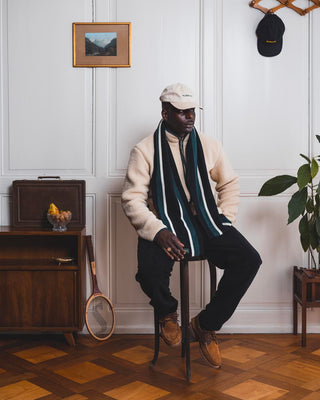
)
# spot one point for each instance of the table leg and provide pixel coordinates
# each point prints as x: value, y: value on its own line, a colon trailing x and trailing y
x: 295, y: 316
x: 304, y: 326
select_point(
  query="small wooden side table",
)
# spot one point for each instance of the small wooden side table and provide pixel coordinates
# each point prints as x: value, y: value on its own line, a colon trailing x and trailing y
x: 306, y: 292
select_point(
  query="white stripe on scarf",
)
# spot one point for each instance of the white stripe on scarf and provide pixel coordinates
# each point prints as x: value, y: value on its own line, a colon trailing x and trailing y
x: 186, y: 226
x: 162, y: 180
x: 205, y: 203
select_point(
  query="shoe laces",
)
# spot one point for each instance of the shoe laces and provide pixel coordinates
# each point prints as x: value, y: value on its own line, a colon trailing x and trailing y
x: 210, y: 336
x: 170, y: 317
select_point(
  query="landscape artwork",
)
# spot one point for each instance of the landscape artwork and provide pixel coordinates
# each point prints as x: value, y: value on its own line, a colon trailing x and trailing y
x: 101, y: 43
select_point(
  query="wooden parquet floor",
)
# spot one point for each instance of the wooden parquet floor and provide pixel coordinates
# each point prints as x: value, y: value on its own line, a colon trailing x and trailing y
x: 255, y: 367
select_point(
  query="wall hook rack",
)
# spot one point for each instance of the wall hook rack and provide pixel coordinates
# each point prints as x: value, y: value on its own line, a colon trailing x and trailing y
x: 255, y: 4
x: 285, y: 3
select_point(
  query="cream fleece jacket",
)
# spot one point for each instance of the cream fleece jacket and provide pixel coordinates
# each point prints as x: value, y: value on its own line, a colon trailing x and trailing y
x: 135, y: 192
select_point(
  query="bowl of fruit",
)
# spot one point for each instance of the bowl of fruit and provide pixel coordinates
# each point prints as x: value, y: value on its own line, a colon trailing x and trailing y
x: 59, y: 219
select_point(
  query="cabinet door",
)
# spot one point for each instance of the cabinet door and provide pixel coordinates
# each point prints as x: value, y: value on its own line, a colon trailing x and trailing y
x: 38, y: 299
x: 54, y: 298
x: 15, y: 304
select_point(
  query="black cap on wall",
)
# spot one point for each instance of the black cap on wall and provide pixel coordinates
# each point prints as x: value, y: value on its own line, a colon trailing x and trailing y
x: 269, y: 33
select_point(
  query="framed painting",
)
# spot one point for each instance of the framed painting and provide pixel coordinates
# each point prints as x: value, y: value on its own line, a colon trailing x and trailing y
x: 101, y: 44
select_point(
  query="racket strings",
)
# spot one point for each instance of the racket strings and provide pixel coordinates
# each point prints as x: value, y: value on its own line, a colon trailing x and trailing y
x: 100, y: 317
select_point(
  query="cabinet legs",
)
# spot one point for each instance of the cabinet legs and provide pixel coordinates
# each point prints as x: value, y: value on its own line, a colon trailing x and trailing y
x: 69, y: 338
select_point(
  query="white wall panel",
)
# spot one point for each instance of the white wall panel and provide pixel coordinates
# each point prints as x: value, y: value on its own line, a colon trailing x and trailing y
x: 124, y: 259
x: 165, y: 50
x: 265, y: 99
x: 5, y: 206
x: 263, y: 222
x: 91, y: 213
x: 49, y: 101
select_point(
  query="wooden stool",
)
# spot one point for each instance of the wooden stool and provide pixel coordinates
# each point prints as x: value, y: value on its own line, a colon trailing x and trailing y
x: 185, y: 316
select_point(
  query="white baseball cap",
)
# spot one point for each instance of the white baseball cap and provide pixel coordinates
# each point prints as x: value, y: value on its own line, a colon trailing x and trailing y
x: 180, y: 96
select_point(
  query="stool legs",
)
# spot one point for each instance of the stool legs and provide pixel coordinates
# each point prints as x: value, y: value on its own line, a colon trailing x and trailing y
x: 184, y: 289
x: 185, y: 314
x: 156, y: 340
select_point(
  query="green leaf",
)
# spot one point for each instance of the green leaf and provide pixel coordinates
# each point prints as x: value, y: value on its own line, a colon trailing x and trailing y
x: 318, y: 137
x: 297, y: 204
x: 304, y: 225
x: 305, y: 157
x: 317, y: 205
x: 313, y: 237
x: 318, y: 188
x: 305, y: 242
x: 318, y: 225
x: 304, y: 175
x: 304, y: 232
x: 314, y: 168
x: 277, y: 185
x: 309, y: 206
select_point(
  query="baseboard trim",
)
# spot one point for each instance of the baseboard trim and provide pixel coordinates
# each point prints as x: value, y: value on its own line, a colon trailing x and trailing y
x: 268, y: 320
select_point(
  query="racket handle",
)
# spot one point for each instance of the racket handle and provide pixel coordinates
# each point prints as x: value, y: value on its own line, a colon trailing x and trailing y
x: 90, y: 248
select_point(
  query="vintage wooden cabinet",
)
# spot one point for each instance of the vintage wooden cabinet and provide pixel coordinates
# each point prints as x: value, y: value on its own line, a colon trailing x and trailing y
x: 36, y: 292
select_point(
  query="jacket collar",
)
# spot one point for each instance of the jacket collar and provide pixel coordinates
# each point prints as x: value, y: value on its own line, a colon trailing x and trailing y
x: 173, y: 138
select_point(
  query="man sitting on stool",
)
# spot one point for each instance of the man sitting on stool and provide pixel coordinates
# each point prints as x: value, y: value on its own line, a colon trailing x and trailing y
x: 168, y: 196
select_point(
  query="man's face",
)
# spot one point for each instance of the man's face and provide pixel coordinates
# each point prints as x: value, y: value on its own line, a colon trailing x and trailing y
x: 179, y: 122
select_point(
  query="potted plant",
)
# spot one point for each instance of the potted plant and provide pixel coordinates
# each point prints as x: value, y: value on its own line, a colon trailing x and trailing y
x: 304, y: 203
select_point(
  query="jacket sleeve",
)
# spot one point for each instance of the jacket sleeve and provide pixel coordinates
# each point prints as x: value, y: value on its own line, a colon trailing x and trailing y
x: 227, y: 185
x: 135, y: 195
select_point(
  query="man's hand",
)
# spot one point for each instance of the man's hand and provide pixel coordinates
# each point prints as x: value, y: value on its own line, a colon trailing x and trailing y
x: 170, y: 244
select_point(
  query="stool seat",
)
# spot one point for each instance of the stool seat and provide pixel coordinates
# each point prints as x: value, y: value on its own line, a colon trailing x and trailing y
x: 185, y: 313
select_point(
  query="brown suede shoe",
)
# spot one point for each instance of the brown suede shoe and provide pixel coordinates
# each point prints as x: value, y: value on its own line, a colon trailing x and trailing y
x: 170, y: 330
x: 207, y: 342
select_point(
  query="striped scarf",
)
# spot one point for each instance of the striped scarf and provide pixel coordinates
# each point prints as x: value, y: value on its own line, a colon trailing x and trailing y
x: 170, y: 200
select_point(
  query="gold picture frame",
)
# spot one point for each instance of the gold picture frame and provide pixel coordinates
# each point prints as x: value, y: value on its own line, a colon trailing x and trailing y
x: 101, y: 44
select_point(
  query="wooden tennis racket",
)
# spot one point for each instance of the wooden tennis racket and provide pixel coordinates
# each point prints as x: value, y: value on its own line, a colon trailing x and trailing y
x: 100, y: 316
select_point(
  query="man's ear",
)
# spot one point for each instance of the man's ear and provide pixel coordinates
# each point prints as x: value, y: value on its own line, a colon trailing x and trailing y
x: 164, y: 114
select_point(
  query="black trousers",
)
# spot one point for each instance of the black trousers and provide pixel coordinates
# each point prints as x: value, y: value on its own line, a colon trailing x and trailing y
x: 230, y: 252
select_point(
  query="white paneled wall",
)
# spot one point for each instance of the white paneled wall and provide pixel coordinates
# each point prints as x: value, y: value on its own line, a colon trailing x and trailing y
x: 265, y: 99
x: 81, y: 123
x: 49, y: 102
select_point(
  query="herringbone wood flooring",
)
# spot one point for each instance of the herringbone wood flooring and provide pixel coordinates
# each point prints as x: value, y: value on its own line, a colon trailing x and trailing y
x: 255, y: 367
